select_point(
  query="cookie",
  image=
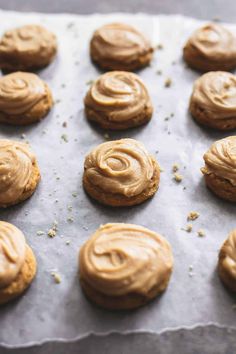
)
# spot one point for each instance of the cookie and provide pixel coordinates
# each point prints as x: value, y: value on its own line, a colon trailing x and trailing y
x: 124, y: 266
x: 24, y: 98
x: 118, y: 100
x: 211, y: 47
x: 227, y: 262
x: 17, y: 263
x: 213, y: 101
x: 121, y: 173
x: 118, y: 46
x: 220, y: 168
x: 19, y: 172
x: 26, y: 48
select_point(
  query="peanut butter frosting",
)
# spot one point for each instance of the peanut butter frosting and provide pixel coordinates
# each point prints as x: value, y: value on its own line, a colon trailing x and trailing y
x: 120, y: 95
x: 214, y: 42
x: 29, y: 39
x: 16, y: 168
x: 124, y: 258
x: 12, y: 252
x: 216, y: 92
x: 220, y: 159
x: 120, y: 167
x: 118, y: 41
x: 20, y: 91
x: 228, y: 251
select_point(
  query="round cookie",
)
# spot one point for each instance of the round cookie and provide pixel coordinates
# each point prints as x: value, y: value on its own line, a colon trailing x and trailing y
x: 121, y: 173
x: 118, y: 100
x: 19, y: 172
x: 124, y: 266
x: 26, y: 48
x: 118, y: 46
x: 17, y: 263
x: 24, y: 98
x: 227, y: 262
x: 211, y: 47
x: 213, y: 101
x: 220, y: 168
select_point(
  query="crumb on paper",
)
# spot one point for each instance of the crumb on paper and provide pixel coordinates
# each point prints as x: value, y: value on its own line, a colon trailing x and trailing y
x: 64, y: 124
x: 74, y: 195
x: 69, y: 208
x: 168, y: 82
x: 189, y: 228
x: 161, y: 169
x: 106, y: 136
x: 175, y: 167
x: 70, y: 219
x: 53, y: 231
x: 178, y: 178
x: 89, y: 82
x: 159, y: 46
x: 40, y: 233
x: 190, y: 270
x: 65, y: 138
x: 193, y: 215
x: 201, y: 233
x: 67, y: 242
x: 57, y: 277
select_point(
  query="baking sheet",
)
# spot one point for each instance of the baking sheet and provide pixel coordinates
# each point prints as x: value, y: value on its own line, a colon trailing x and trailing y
x: 49, y: 311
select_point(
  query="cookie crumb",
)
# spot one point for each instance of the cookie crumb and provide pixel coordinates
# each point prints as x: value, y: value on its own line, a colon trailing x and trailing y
x: 68, y: 242
x: 64, y: 124
x: 65, y: 138
x: 178, y: 178
x: 189, y: 228
x: 201, y: 233
x: 57, y: 277
x: 53, y: 231
x: 160, y: 46
x: 193, y: 215
x: 70, y: 219
x: 74, y: 195
x: 89, y: 82
x: 168, y: 82
x: 40, y: 232
x: 175, y: 167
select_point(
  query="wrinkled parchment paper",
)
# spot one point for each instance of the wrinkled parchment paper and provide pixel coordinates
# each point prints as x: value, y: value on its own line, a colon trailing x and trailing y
x: 49, y: 311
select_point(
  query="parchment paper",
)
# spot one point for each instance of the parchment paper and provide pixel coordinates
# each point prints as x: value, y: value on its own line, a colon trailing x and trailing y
x: 49, y: 311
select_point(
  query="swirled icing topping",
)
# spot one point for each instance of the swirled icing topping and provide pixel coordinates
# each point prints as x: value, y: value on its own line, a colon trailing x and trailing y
x: 216, y: 92
x: 229, y: 252
x: 214, y: 42
x: 20, y: 91
x: 120, y: 95
x: 220, y: 159
x: 120, y: 167
x: 12, y: 252
x: 118, y: 41
x: 28, y: 39
x: 16, y: 167
x: 124, y: 258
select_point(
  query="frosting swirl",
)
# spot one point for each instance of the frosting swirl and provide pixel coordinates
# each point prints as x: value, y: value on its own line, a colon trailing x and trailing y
x: 119, y: 95
x: 228, y: 255
x: 20, y: 91
x: 214, y: 42
x: 124, y: 258
x: 16, y: 167
x: 12, y: 252
x: 118, y: 41
x: 29, y: 39
x: 120, y: 167
x: 216, y: 92
x: 220, y: 159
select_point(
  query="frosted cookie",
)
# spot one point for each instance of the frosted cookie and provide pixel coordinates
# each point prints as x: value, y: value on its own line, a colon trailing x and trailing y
x: 211, y: 47
x: 24, y: 98
x: 124, y: 266
x: 227, y: 262
x: 19, y: 172
x: 27, y: 47
x: 121, y: 173
x: 213, y: 101
x: 17, y: 263
x: 118, y: 100
x: 220, y: 168
x: 118, y: 46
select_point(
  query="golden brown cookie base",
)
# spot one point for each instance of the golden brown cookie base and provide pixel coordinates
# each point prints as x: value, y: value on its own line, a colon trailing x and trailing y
x: 35, y: 114
x: 30, y: 187
x: 102, y: 119
x: 107, y: 65
x: 118, y: 200
x: 206, y: 118
x: 124, y: 302
x: 225, y: 276
x: 22, y: 281
x: 221, y: 187
x: 203, y: 64
x: 10, y: 62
